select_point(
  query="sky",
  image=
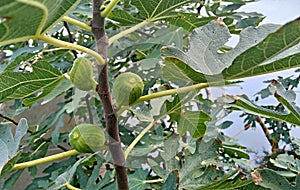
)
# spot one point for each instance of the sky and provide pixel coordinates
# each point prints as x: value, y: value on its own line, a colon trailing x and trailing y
x: 277, y: 12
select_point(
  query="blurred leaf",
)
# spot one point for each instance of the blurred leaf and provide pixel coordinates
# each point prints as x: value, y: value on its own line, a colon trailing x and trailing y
x: 241, y: 103
x: 233, y: 151
x: 272, y: 180
x: 188, y: 121
x: 67, y: 176
x: 170, y: 148
x: 170, y: 183
x: 287, y: 162
x: 136, y: 180
x: 22, y: 20
x: 15, y: 85
x: 9, y: 143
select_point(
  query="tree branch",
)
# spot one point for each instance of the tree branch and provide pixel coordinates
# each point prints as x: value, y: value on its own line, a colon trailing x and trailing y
x: 103, y: 90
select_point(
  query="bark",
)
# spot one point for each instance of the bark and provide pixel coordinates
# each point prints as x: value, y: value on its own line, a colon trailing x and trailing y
x: 103, y: 90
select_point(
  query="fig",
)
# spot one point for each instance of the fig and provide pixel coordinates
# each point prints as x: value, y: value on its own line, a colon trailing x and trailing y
x: 81, y: 74
x: 87, y: 138
x: 127, y: 88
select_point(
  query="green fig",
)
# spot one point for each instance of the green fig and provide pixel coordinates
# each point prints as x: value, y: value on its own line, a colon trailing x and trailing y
x: 127, y: 88
x: 87, y: 138
x: 81, y: 74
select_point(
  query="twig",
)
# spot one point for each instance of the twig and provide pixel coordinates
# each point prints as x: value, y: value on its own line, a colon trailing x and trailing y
x: 70, y: 37
x: 9, y: 119
x: 88, y: 105
x: 45, y: 160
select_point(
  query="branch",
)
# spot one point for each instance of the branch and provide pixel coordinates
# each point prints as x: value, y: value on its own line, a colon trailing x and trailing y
x: 71, y: 187
x: 77, y: 23
x: 138, y: 138
x: 9, y: 119
x: 45, y: 160
x: 109, y: 8
x: 60, y: 43
x: 128, y: 31
x: 170, y: 92
x: 103, y: 90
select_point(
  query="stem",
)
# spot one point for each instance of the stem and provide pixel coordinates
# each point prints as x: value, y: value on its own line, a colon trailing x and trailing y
x: 71, y: 187
x: 170, y: 92
x: 109, y: 8
x: 45, y: 159
x: 60, y: 43
x: 103, y: 90
x: 138, y: 138
x: 77, y: 23
x: 89, y: 108
x: 128, y: 31
x: 154, y: 181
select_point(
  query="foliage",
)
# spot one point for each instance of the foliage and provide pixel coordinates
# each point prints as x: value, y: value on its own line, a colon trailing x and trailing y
x: 172, y: 132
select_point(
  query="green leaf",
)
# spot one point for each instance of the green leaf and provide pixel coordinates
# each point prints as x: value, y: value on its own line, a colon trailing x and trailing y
x: 170, y: 149
x: 160, y: 10
x: 191, y: 168
x: 15, y: 85
x: 136, y: 180
x: 194, y: 65
x: 259, y: 59
x: 287, y: 162
x: 188, y: 121
x: 204, y: 54
x: 67, y: 176
x: 170, y: 183
x: 177, y: 71
x: 9, y: 143
x: 270, y: 179
x: 22, y: 20
x: 193, y: 122
x: 231, y: 181
x: 241, y: 103
x: 233, y: 151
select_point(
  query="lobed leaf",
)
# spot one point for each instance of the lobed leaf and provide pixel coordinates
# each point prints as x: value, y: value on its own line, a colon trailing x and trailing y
x: 15, y: 85
x: 21, y: 19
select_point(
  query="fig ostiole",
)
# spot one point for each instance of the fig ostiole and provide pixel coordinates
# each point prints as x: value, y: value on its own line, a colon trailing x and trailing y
x: 81, y: 74
x: 127, y: 88
x: 87, y: 138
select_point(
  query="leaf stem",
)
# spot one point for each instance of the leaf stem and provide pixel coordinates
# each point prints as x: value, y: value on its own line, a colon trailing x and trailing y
x: 68, y: 45
x: 77, y: 23
x: 109, y: 8
x: 128, y: 31
x: 45, y: 159
x: 138, y: 138
x: 71, y: 187
x: 154, y: 181
x: 170, y: 92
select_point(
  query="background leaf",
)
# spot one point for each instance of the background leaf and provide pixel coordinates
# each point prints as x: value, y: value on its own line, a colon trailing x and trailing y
x: 9, y: 143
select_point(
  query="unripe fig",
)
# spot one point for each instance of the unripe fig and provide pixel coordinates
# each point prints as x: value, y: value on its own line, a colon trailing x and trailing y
x: 87, y: 138
x: 81, y: 74
x: 127, y: 88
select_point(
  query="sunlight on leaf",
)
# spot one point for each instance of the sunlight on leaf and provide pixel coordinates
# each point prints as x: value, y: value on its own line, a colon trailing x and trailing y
x: 21, y: 20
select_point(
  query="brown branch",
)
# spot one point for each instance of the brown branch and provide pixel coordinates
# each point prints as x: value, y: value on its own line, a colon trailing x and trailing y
x: 9, y: 119
x: 103, y: 90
